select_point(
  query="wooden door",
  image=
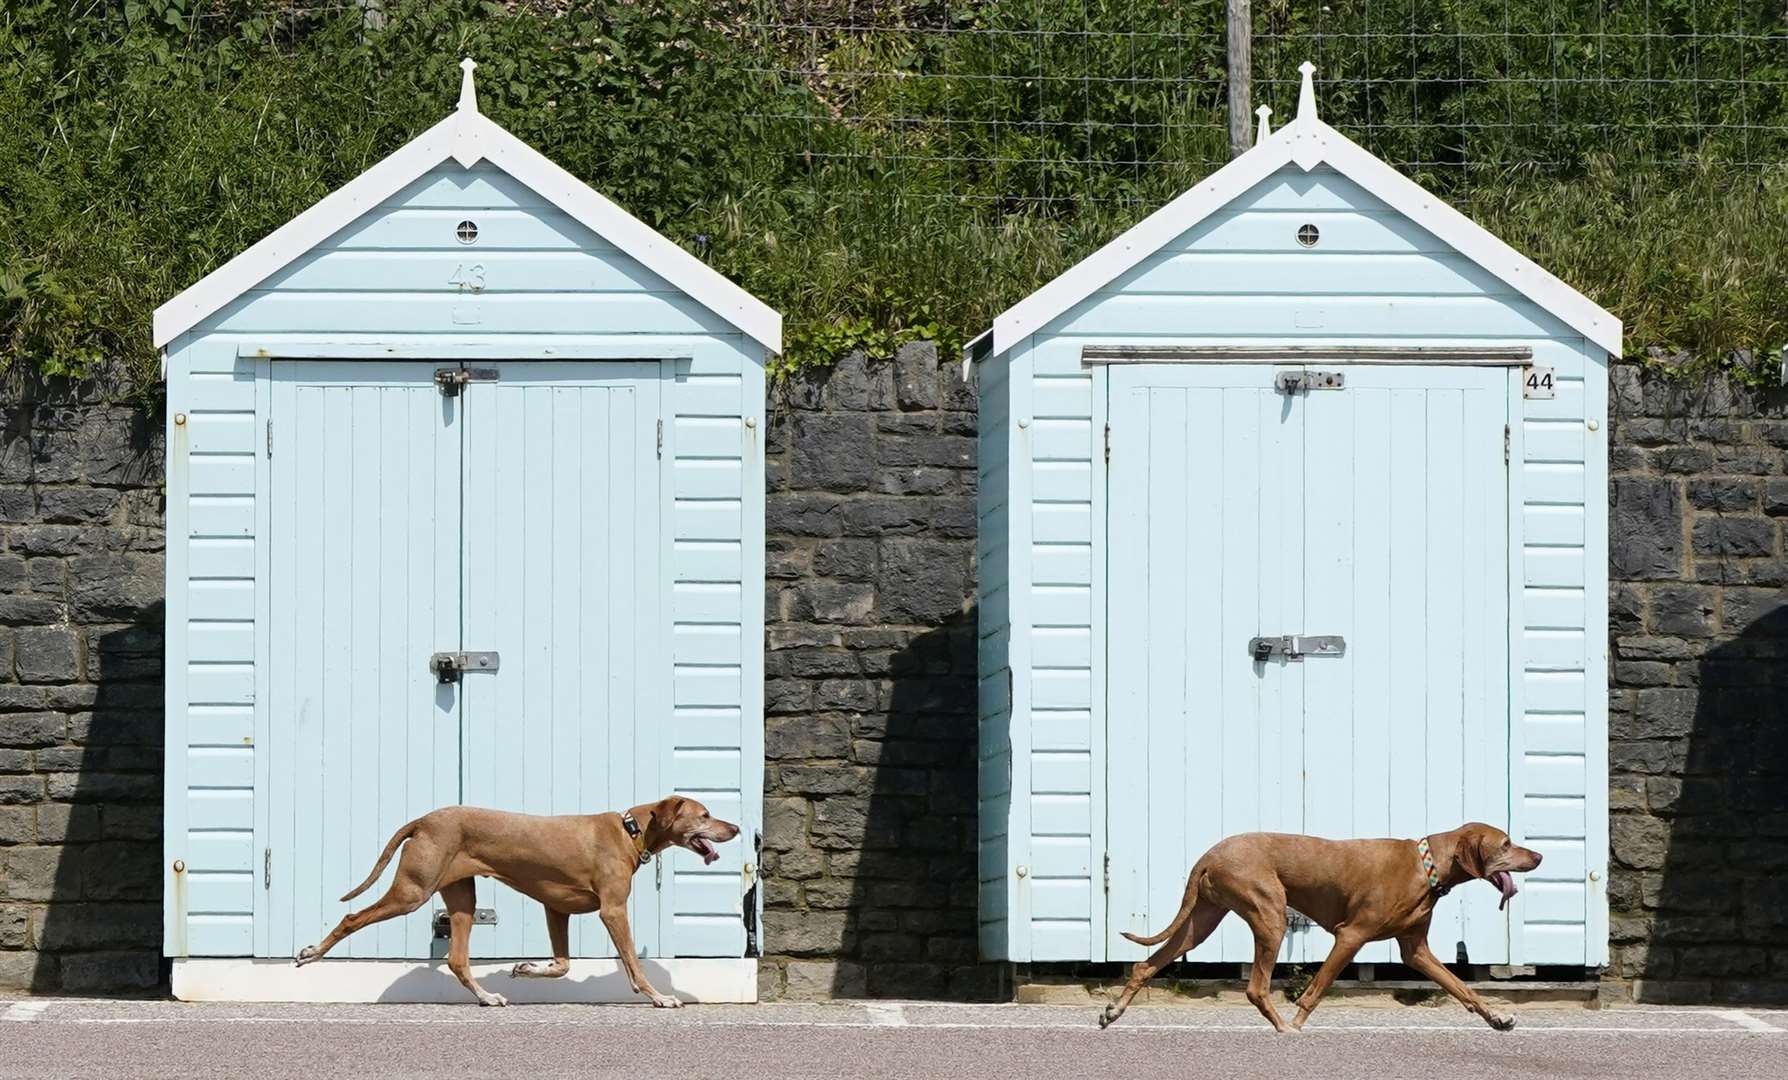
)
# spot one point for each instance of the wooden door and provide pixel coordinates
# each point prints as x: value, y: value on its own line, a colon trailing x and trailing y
x: 563, y: 577
x: 364, y: 583
x: 1376, y: 513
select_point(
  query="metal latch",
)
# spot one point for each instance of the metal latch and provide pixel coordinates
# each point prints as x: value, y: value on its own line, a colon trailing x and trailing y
x: 1302, y: 382
x: 483, y: 916
x: 449, y: 666
x: 1296, y: 646
x: 451, y: 379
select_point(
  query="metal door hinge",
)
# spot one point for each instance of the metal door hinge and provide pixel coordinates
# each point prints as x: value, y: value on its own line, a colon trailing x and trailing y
x: 1302, y: 382
x: 1107, y: 444
x: 449, y: 666
x: 658, y: 875
x: 1108, y: 871
x: 267, y: 868
x: 451, y: 380
x: 483, y: 916
x: 269, y: 438
x: 661, y: 438
x: 1505, y: 444
x: 1296, y: 646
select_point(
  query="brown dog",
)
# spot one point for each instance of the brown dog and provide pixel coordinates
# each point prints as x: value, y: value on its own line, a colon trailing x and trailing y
x: 571, y: 864
x: 1357, y: 890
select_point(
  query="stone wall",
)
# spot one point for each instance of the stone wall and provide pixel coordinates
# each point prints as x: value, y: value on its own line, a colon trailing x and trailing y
x: 1698, y: 886
x: 80, y: 695
x: 869, y: 845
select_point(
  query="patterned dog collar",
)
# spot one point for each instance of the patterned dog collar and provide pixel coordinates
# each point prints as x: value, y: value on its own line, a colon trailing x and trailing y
x: 638, y: 838
x: 1428, y: 868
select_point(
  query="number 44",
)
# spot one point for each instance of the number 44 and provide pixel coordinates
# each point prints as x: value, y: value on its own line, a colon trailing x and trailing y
x: 1537, y: 383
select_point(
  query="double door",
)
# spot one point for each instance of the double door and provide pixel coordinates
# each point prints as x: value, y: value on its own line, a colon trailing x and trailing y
x: 465, y: 592
x: 1308, y: 625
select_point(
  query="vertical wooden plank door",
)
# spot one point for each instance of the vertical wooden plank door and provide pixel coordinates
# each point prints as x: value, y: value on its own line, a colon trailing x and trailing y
x: 1378, y: 513
x: 1406, y: 496
x: 562, y: 574
x: 364, y: 569
x: 1206, y: 543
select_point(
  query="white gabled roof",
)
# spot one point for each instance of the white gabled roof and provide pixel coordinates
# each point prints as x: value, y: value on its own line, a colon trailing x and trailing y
x: 468, y: 136
x: 1306, y: 142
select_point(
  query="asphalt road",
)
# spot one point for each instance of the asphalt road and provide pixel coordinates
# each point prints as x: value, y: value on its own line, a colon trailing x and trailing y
x: 83, y: 1038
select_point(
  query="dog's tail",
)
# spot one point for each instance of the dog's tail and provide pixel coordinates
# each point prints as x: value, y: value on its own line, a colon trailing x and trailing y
x: 397, y: 838
x: 1186, y: 906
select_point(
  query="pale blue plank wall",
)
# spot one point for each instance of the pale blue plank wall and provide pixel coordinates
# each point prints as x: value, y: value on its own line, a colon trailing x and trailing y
x: 1241, y: 277
x: 994, y: 629
x: 394, y: 277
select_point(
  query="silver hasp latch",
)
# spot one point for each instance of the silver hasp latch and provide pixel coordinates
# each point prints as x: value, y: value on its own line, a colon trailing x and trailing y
x: 449, y: 666
x: 450, y: 380
x: 1304, y: 381
x: 1296, y: 646
x: 483, y: 916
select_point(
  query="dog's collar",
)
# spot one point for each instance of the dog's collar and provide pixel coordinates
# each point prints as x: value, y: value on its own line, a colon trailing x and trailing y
x: 1430, y: 870
x: 637, y: 835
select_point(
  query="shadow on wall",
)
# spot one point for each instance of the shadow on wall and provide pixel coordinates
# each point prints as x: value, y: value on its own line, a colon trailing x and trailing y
x: 911, y: 916
x: 100, y: 927
x: 1725, y: 872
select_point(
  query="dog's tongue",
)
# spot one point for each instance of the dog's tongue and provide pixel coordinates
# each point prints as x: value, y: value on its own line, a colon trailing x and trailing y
x: 1504, y: 881
x: 706, y: 851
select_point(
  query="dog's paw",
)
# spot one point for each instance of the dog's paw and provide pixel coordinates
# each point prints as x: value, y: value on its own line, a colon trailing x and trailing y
x: 1108, y: 1014
x: 305, y: 956
x: 666, y: 1001
x: 1502, y: 1023
x: 529, y: 970
x: 494, y: 1001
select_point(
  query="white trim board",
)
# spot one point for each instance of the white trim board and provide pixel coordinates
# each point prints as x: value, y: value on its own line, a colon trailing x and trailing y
x: 1306, y: 142
x: 468, y: 136
x: 591, y: 982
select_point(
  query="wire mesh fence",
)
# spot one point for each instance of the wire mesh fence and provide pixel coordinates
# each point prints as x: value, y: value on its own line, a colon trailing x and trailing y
x: 1047, y: 102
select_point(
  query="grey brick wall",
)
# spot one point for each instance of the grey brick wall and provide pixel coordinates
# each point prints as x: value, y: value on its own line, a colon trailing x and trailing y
x: 869, y: 860
x: 1698, y: 886
x: 80, y: 694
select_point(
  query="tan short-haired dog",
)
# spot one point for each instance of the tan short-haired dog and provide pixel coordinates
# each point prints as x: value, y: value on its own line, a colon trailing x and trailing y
x: 572, y: 865
x: 1357, y: 890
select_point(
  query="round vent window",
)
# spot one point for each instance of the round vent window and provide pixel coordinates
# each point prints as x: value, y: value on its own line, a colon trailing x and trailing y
x: 467, y: 231
x: 1307, y: 235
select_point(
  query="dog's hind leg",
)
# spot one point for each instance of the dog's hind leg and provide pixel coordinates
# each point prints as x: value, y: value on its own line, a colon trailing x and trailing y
x: 558, y: 927
x: 1268, y: 924
x: 461, y: 899
x: 410, y: 888
x: 1190, y: 934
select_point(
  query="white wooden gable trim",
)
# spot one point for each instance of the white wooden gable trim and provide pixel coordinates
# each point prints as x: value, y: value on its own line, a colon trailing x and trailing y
x: 468, y: 136
x: 1306, y: 142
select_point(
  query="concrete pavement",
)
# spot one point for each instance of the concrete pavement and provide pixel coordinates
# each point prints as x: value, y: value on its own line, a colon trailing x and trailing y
x: 89, y: 1038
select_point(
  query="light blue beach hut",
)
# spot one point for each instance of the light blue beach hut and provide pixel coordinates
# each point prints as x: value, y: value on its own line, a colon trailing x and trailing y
x: 1293, y: 517
x: 465, y: 486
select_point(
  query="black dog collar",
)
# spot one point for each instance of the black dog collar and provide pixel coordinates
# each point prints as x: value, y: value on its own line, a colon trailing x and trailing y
x: 637, y: 836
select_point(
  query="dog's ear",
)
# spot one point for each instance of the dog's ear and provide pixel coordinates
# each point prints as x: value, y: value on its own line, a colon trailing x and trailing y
x: 1470, y: 850
x: 665, y: 810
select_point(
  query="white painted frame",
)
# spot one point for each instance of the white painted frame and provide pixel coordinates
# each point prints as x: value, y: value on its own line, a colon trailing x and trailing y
x: 468, y: 136
x: 1306, y: 142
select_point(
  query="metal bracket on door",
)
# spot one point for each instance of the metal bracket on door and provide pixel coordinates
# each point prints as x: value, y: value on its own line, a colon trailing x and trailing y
x: 450, y: 380
x: 449, y: 666
x: 483, y: 916
x: 1296, y: 646
x: 1302, y: 382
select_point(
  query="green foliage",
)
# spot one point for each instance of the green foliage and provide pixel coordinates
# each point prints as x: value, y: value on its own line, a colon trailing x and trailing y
x: 889, y: 170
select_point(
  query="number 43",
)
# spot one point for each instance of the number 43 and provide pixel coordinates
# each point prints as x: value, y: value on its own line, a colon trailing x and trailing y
x: 468, y: 278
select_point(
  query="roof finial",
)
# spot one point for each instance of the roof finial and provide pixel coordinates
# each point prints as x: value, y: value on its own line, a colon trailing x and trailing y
x: 468, y: 93
x: 1307, y: 92
x: 1263, y: 129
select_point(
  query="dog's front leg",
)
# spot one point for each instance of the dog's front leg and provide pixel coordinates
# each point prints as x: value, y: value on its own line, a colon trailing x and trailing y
x: 558, y: 928
x: 1417, y: 955
x: 614, y: 916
